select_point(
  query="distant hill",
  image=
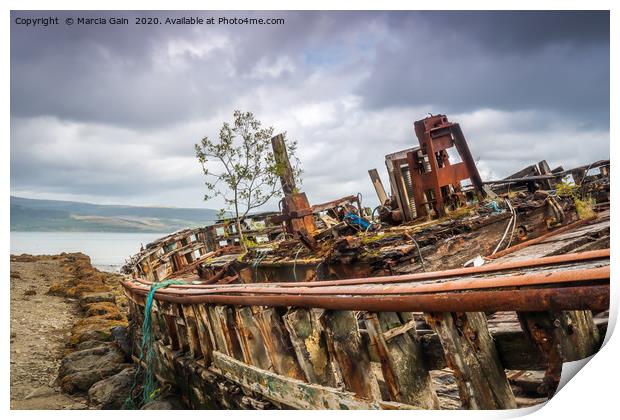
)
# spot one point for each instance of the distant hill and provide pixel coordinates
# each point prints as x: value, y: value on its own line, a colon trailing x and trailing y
x: 52, y: 215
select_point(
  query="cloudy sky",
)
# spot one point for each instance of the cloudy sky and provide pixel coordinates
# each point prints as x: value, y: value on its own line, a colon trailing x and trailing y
x: 110, y: 114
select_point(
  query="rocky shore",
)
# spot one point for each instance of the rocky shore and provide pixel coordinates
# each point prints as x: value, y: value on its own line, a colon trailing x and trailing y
x: 69, y: 348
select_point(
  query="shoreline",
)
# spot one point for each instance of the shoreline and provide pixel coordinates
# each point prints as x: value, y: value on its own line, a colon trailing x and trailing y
x: 61, y: 308
x: 40, y: 327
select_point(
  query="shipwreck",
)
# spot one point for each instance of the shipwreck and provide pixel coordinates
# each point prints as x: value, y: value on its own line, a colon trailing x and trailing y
x: 454, y: 292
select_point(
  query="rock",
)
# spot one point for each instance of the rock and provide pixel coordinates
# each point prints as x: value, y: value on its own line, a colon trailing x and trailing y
x: 90, y: 344
x: 23, y: 258
x: 57, y: 289
x: 90, y: 335
x: 87, y: 298
x: 120, y: 335
x: 107, y: 309
x: 30, y: 292
x: 80, y: 370
x: 168, y: 403
x: 82, y: 381
x: 111, y: 393
x: 89, y: 359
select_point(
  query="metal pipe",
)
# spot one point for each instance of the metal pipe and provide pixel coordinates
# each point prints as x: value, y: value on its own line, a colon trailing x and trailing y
x: 431, y: 275
x: 594, y: 298
x: 523, y: 280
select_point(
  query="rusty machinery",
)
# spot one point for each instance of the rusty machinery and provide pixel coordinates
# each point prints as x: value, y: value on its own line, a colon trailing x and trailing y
x: 424, y: 182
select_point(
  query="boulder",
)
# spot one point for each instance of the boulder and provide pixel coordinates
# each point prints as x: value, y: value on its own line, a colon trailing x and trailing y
x: 81, y: 369
x: 90, y: 344
x: 82, y: 359
x: 112, y: 392
x: 166, y: 403
x: 79, y: 337
x: 86, y: 298
x: 94, y: 328
x: 121, y: 337
x: 106, y: 309
x: 82, y: 381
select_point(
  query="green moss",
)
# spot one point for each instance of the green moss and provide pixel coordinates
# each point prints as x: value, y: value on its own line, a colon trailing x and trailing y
x: 584, y: 208
x: 366, y: 240
x: 565, y: 189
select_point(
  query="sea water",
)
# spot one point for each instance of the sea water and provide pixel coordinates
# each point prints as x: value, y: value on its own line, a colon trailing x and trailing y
x: 107, y: 251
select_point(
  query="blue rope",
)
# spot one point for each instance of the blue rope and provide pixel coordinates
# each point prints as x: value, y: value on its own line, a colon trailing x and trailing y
x: 147, y: 350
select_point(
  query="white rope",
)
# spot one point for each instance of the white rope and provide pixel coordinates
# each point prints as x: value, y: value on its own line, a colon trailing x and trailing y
x: 510, y: 222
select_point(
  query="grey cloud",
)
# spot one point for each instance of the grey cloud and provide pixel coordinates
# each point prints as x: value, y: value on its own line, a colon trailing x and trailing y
x: 112, y: 114
x: 505, y: 60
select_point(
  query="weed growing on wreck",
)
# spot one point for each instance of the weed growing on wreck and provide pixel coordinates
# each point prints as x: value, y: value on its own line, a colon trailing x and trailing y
x: 566, y: 189
x: 584, y: 206
x: 249, y: 243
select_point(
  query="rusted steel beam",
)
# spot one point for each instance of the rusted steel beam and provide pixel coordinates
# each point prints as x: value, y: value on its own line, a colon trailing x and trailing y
x: 523, y: 280
x: 435, y: 135
x: 542, y: 299
x: 407, y: 278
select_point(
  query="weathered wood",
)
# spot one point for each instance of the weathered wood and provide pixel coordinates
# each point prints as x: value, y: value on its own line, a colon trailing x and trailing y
x: 345, y: 343
x: 285, y: 171
x: 516, y: 350
x: 278, y: 344
x: 292, y: 392
x: 308, y: 340
x: 560, y: 336
x: 224, y: 317
x: 204, y: 325
x: 204, y: 338
x: 544, y: 169
x: 376, y: 182
x: 195, y: 350
x: 399, y: 329
x: 566, y: 335
x: 216, y: 329
x: 252, y: 345
x: 182, y: 330
x: 173, y: 333
x: 471, y: 354
x: 405, y: 375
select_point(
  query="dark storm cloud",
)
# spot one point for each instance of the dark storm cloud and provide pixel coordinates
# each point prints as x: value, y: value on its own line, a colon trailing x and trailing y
x: 111, y: 113
x: 458, y: 61
x: 145, y: 75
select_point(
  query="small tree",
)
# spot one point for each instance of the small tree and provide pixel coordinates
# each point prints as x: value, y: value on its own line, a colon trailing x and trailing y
x: 241, y: 168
